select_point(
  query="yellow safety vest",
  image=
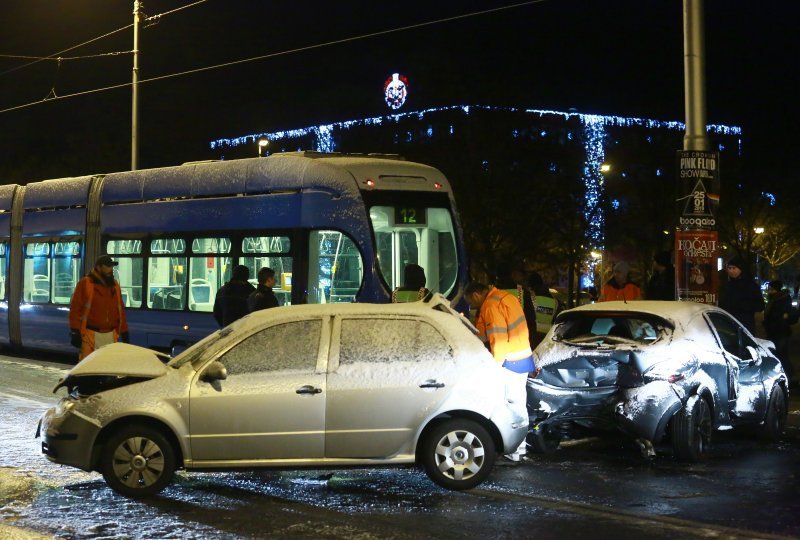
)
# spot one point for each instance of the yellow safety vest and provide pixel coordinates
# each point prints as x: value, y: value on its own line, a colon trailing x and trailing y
x: 545, y: 307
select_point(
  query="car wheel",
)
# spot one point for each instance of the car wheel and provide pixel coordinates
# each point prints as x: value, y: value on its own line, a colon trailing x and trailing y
x: 138, y: 461
x: 691, y: 430
x: 543, y: 440
x: 458, y: 454
x: 775, y: 419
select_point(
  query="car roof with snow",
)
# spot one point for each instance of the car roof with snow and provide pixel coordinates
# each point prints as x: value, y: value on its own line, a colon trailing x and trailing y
x: 672, y: 310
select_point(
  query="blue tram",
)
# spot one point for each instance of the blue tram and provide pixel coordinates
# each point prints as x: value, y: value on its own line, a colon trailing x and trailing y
x: 335, y: 228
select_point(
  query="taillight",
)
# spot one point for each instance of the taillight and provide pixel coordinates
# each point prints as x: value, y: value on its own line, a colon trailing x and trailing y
x: 675, y: 377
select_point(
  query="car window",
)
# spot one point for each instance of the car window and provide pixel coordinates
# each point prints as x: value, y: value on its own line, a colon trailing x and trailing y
x: 727, y: 330
x: 391, y: 340
x: 589, y: 327
x: 291, y: 345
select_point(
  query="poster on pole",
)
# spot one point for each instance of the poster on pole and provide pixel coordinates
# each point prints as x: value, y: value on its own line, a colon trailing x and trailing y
x: 696, y: 272
x: 698, y: 184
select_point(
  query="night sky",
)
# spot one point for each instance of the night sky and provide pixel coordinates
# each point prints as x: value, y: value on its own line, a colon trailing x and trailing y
x: 622, y: 57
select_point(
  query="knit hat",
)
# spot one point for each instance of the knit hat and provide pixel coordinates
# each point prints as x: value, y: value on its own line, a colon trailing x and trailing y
x: 105, y: 260
x: 622, y: 267
x: 737, y: 261
x: 663, y: 258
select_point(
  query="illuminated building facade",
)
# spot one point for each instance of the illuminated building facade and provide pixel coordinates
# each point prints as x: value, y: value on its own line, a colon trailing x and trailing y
x: 545, y: 142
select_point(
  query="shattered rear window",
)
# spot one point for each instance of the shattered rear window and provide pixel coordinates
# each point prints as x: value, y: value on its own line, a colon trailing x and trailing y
x: 611, y: 328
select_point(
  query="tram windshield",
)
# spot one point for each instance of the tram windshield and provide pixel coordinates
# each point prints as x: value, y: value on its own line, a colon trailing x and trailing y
x: 416, y: 235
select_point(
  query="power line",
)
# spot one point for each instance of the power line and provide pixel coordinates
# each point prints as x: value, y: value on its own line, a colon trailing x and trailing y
x: 60, y: 58
x: 281, y: 53
x: 56, y: 55
x: 66, y: 50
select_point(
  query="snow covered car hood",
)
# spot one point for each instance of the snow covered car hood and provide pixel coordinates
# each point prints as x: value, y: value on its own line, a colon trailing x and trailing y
x: 119, y: 360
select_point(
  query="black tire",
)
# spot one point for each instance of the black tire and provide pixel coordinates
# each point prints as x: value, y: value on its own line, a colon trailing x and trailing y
x: 691, y: 431
x: 775, y: 419
x: 457, y: 454
x: 543, y: 440
x: 138, y: 461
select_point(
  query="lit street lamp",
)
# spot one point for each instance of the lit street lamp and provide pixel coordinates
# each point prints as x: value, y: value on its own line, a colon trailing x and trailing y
x: 262, y: 146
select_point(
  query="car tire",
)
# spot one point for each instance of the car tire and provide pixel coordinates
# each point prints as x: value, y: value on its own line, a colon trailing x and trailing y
x: 542, y: 440
x: 691, y: 430
x: 458, y: 454
x: 775, y: 419
x: 138, y: 461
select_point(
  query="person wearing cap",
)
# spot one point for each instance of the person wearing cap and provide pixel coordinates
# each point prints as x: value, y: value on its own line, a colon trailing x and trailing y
x: 662, y: 284
x: 740, y: 295
x: 97, y: 311
x: 619, y: 287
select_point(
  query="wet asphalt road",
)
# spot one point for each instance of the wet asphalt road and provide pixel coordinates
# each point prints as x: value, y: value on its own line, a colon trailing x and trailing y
x: 592, y: 488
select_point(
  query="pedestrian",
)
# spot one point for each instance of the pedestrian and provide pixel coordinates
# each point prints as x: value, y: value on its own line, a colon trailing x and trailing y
x: 512, y: 280
x: 619, y: 287
x: 413, y: 288
x: 230, y: 303
x: 740, y: 295
x: 502, y: 327
x: 662, y: 284
x: 263, y: 297
x: 545, y: 307
x: 97, y: 311
x: 778, y: 316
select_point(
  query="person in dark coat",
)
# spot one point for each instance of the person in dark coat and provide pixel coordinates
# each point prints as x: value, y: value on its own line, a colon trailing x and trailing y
x: 263, y: 297
x: 230, y: 303
x: 413, y: 288
x: 739, y: 294
x: 662, y: 284
x: 777, y: 316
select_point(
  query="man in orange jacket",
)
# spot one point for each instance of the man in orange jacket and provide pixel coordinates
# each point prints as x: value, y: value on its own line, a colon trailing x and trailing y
x: 502, y: 326
x: 97, y: 312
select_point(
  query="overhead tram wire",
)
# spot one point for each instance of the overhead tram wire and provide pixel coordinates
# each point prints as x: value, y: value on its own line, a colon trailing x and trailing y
x: 56, y: 56
x: 274, y: 55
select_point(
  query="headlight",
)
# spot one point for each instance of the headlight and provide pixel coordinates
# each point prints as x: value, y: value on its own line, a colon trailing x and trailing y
x: 64, y: 406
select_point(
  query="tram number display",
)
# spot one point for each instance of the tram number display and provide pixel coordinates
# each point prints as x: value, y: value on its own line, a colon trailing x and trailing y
x: 409, y: 215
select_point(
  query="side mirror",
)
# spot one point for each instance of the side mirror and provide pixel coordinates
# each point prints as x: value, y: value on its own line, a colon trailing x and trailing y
x: 215, y: 372
x: 753, y: 354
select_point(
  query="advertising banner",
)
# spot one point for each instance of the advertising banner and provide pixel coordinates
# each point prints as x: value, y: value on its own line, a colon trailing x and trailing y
x: 698, y: 185
x: 696, y: 272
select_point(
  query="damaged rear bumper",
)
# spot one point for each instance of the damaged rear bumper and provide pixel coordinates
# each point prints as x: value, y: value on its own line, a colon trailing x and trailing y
x: 641, y: 412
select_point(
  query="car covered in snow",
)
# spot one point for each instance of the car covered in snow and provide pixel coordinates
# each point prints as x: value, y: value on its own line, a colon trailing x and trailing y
x: 658, y: 371
x: 296, y: 386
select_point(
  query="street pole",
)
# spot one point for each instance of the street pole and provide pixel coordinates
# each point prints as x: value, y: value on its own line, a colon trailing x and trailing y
x: 694, y: 76
x: 696, y: 238
x: 137, y: 10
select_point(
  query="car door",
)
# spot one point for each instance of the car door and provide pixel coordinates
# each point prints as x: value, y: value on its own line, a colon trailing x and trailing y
x: 745, y: 388
x: 386, y: 376
x: 272, y: 403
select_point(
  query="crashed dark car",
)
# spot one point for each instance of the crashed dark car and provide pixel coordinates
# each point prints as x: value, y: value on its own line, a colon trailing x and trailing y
x: 671, y: 372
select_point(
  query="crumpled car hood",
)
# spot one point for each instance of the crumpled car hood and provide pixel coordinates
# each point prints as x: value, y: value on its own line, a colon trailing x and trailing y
x: 118, y: 360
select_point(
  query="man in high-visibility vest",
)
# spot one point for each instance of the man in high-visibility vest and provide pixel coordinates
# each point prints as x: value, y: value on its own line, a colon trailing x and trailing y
x: 97, y: 311
x: 502, y: 327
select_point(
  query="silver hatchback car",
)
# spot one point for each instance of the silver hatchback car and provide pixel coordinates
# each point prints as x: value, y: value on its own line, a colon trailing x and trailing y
x: 297, y: 386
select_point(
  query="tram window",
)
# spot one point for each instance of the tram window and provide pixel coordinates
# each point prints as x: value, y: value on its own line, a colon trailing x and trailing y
x: 3, y: 268
x: 66, y: 270
x: 208, y: 273
x: 166, y: 283
x: 335, y: 268
x: 130, y: 270
x: 429, y: 242
x: 269, y: 251
x: 36, y: 273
